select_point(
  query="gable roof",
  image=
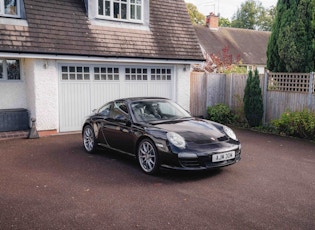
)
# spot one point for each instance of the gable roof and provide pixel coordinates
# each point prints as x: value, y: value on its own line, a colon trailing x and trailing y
x: 63, y: 28
x: 250, y: 45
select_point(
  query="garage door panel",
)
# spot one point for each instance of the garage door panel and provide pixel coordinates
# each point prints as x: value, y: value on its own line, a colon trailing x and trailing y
x: 103, y: 92
x: 74, y: 105
x: 136, y: 89
x: 160, y: 89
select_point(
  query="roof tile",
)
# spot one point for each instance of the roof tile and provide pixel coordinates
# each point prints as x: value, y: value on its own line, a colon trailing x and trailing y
x: 62, y: 27
x: 250, y: 45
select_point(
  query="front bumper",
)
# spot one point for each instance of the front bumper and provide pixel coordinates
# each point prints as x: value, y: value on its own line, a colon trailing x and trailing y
x: 200, y: 162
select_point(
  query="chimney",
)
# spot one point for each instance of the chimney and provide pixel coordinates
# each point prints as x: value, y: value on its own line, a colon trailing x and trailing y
x: 212, y: 21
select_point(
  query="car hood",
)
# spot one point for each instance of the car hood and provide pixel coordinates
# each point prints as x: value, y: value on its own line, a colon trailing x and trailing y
x: 194, y: 130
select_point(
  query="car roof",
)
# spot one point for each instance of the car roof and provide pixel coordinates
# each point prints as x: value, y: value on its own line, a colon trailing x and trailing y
x: 131, y: 99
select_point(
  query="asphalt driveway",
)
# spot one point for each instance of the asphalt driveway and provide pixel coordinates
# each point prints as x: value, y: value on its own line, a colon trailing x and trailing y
x: 51, y: 183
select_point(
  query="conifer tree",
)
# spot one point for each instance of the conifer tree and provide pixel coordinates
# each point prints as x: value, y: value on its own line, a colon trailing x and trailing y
x: 253, y: 103
x: 291, y: 45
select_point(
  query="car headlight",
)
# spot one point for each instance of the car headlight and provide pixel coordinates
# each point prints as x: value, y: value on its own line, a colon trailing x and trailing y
x: 176, y: 140
x: 229, y: 132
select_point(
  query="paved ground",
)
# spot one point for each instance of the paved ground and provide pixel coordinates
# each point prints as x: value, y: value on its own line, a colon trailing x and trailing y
x: 51, y: 183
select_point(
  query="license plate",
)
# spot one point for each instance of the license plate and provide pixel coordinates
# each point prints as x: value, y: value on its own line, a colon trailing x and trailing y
x: 223, y: 156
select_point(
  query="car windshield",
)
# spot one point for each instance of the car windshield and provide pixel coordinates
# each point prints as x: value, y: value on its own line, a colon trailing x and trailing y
x: 157, y: 110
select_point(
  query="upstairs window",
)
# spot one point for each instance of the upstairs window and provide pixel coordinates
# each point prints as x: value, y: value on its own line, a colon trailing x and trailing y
x: 126, y: 10
x: 10, y: 8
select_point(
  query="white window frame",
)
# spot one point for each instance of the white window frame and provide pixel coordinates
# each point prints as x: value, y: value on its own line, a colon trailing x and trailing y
x: 75, y: 72
x: 106, y: 73
x: 136, y: 74
x: 161, y: 74
x: 115, y: 73
x: 18, y: 10
x: 129, y: 4
x: 4, y: 73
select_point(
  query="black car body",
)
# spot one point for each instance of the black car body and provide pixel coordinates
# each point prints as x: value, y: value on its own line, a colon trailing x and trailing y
x: 159, y: 133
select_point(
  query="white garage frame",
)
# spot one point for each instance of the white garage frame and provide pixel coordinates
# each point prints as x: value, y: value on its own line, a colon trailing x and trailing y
x: 84, y: 87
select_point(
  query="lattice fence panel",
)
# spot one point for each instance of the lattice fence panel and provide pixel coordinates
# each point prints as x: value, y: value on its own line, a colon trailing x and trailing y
x: 289, y: 82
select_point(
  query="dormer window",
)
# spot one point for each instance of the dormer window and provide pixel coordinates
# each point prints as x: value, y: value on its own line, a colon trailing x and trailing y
x: 125, y: 10
x: 10, y: 8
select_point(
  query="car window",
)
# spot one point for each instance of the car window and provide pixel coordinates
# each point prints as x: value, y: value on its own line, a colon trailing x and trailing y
x: 155, y: 110
x: 119, y: 110
x: 167, y: 108
x: 105, y: 110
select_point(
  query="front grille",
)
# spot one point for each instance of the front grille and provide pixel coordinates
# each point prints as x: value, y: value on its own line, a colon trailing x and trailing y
x: 190, y: 163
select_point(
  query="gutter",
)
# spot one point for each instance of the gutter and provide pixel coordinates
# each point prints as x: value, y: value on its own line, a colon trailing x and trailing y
x: 68, y: 57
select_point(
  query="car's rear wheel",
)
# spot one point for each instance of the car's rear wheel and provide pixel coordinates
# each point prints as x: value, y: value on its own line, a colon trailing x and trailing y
x: 148, y: 157
x: 89, y: 141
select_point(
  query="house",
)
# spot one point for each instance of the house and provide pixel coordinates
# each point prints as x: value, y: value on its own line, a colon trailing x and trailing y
x: 62, y: 59
x: 247, y: 46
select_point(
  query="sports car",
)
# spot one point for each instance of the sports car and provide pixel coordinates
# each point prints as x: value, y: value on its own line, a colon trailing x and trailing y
x: 160, y: 134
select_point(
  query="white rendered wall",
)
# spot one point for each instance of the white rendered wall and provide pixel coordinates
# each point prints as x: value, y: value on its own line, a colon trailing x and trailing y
x: 42, y: 93
x: 28, y: 69
x: 182, y: 85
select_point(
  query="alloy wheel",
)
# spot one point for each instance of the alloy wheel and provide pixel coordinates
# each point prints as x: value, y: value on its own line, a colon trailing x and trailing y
x: 148, y: 157
x: 88, y: 139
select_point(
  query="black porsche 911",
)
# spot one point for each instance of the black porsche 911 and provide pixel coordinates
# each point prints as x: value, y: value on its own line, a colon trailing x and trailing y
x: 160, y: 133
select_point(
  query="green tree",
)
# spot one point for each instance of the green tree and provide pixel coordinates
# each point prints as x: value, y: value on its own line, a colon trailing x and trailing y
x: 291, y: 45
x: 224, y: 22
x: 253, y: 103
x: 266, y: 18
x: 195, y: 16
x: 252, y: 15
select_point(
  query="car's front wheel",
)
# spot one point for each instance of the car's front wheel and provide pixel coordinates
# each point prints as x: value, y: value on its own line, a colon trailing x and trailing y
x: 89, y: 141
x: 148, y: 157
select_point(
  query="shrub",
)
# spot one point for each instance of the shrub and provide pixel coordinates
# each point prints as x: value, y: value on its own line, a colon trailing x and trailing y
x: 253, y: 103
x: 298, y: 124
x: 221, y: 113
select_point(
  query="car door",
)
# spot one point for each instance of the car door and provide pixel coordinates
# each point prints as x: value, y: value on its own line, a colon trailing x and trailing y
x: 98, y: 120
x: 117, y: 129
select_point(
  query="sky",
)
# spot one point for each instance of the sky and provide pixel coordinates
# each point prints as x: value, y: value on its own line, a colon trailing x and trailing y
x: 226, y: 8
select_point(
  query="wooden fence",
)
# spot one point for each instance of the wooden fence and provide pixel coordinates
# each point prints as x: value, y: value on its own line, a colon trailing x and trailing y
x: 281, y: 91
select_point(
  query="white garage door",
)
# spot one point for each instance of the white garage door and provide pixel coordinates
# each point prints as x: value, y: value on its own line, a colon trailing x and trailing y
x: 83, y: 88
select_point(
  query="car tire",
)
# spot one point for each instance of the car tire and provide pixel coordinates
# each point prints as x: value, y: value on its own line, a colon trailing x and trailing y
x: 148, y: 157
x: 89, y: 141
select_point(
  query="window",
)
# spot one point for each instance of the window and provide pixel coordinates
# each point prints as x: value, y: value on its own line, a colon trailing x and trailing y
x: 105, y: 110
x: 129, y: 10
x: 9, y: 69
x: 106, y: 73
x: 136, y: 74
x: 10, y: 8
x: 75, y: 73
x: 161, y: 74
x: 116, y: 110
x: 135, y: 9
